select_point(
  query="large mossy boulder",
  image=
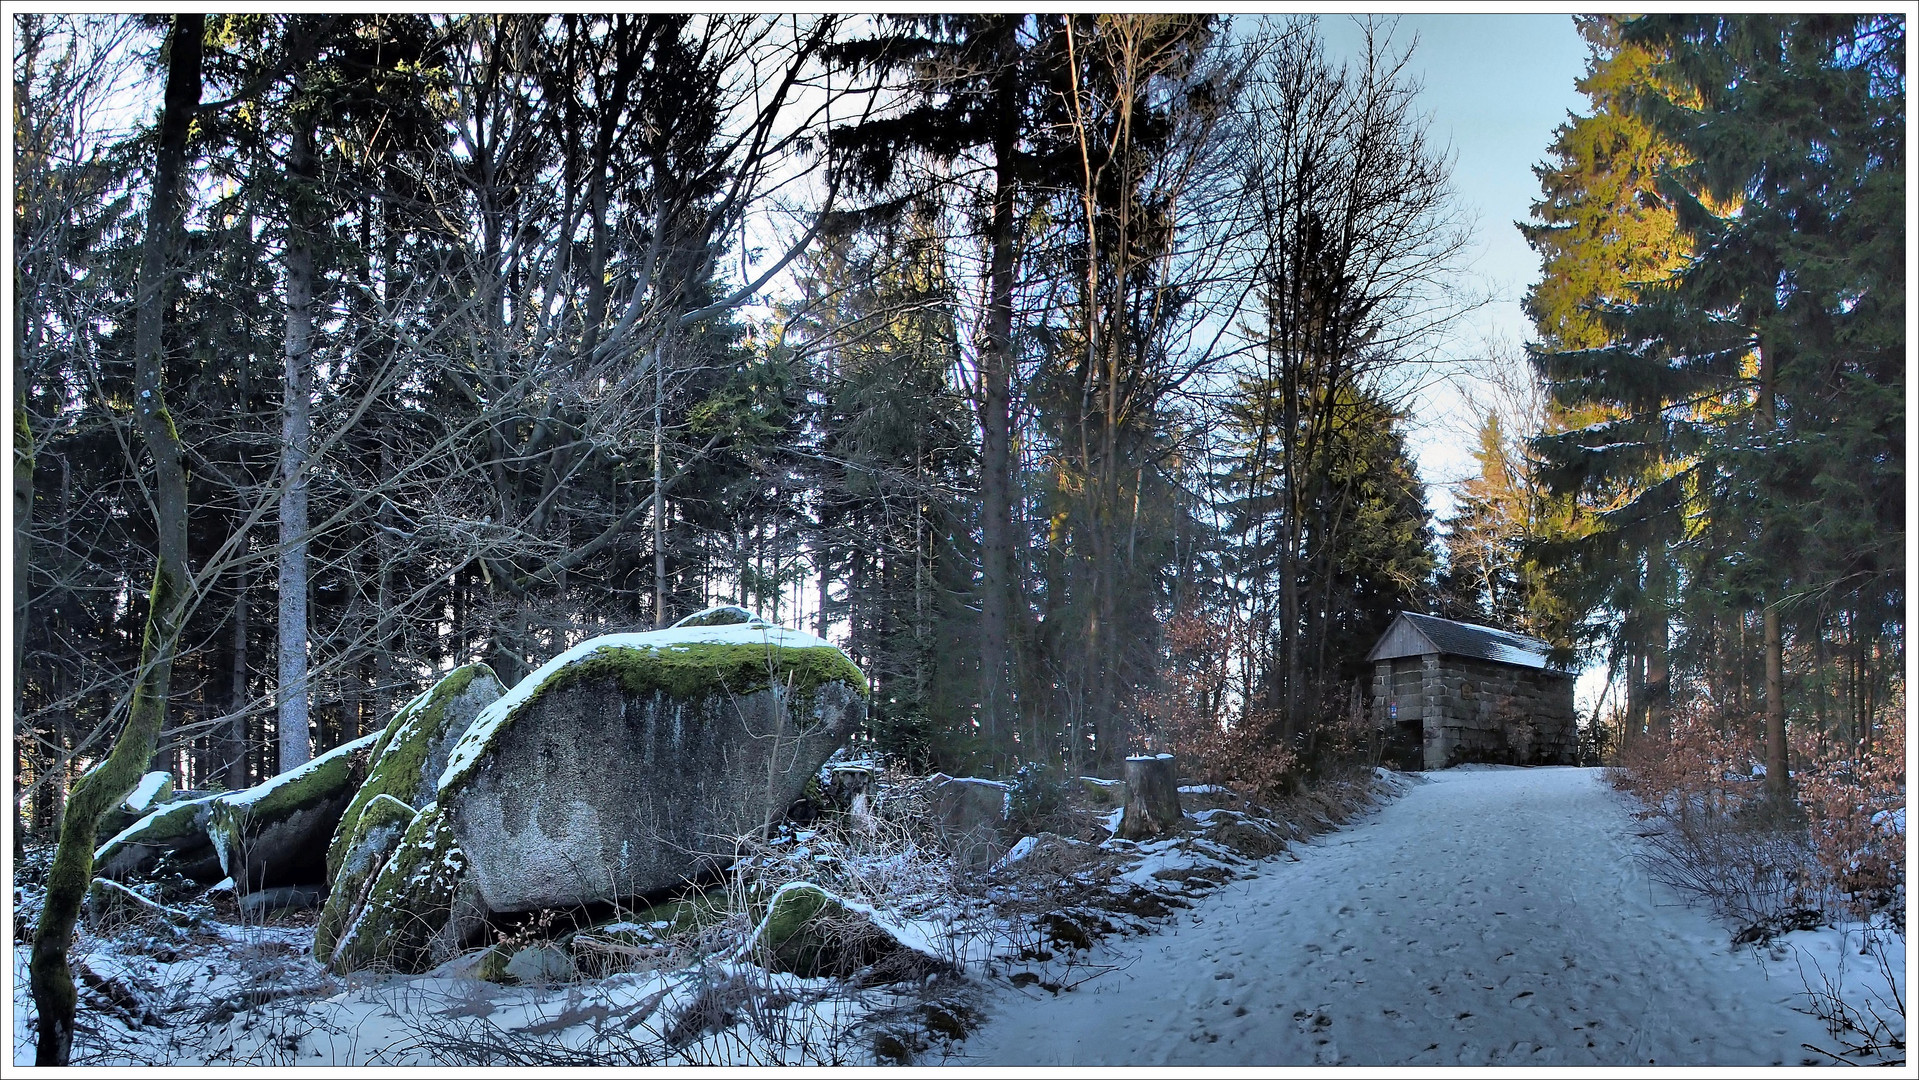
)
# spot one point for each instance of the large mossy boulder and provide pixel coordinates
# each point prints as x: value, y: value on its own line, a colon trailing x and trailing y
x: 276, y: 833
x: 170, y: 839
x: 404, y: 774
x: 412, y: 751
x: 377, y: 832
x: 630, y: 762
x: 407, y: 922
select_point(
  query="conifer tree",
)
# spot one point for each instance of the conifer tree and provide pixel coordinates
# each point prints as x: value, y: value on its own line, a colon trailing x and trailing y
x: 1603, y: 232
x: 1771, y: 362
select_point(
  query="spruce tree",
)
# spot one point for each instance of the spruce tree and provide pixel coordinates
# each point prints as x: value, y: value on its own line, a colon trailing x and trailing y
x: 1771, y: 362
x: 1604, y: 231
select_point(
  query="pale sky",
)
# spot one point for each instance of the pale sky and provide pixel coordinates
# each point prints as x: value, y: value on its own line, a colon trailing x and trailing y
x: 1495, y: 88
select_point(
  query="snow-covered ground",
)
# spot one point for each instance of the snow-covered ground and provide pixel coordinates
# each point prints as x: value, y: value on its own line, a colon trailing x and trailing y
x: 1482, y: 915
x: 1492, y: 916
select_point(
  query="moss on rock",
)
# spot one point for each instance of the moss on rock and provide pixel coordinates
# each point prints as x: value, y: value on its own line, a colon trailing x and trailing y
x: 275, y: 829
x: 409, y: 903
x: 153, y: 790
x: 379, y: 829
x: 812, y: 933
x: 408, y: 757
x: 695, y: 670
x: 175, y: 834
x: 794, y: 908
x: 723, y: 615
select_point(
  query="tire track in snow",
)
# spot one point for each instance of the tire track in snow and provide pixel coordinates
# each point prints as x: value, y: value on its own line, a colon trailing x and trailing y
x: 1493, y: 916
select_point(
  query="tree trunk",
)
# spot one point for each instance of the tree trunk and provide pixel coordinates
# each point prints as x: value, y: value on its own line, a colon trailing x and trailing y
x: 50, y: 975
x: 234, y: 775
x: 659, y: 494
x: 22, y: 525
x: 995, y: 420
x: 824, y: 558
x: 1658, y: 687
x: 296, y: 438
x: 1152, y: 798
x: 1778, y: 779
x: 383, y: 667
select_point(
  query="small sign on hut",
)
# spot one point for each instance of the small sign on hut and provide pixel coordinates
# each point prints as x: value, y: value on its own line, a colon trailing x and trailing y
x: 1447, y: 692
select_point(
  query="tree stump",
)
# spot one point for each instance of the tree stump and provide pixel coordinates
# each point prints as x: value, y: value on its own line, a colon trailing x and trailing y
x: 1152, y: 798
x: 848, y: 787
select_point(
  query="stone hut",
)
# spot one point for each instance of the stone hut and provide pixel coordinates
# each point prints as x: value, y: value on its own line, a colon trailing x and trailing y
x: 1448, y: 692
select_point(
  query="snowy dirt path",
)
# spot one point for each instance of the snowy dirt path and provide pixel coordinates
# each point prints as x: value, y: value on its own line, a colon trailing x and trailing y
x: 1489, y: 917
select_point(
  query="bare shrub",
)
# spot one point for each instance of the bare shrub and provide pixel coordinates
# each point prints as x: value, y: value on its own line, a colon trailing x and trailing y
x: 1189, y: 715
x: 1854, y: 801
x: 1837, y: 851
x: 1873, y: 1030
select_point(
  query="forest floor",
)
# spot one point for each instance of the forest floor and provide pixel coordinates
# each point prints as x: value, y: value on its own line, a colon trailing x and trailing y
x: 215, y: 986
x: 1490, y: 916
x: 1480, y: 915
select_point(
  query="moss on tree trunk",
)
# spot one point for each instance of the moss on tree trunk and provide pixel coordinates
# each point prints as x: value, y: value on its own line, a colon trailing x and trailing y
x: 49, y: 972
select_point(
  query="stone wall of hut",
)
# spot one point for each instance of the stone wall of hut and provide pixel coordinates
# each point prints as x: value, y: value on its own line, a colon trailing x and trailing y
x: 1435, y: 711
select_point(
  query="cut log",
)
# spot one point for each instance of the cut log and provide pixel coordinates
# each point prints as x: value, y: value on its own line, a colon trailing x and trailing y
x: 1152, y: 798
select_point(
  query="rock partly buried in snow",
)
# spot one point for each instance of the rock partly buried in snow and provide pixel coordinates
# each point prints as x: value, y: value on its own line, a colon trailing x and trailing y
x: 723, y: 615
x: 540, y: 964
x: 377, y: 831
x: 170, y: 839
x: 152, y: 790
x: 280, y: 898
x: 109, y: 901
x: 630, y: 762
x: 416, y: 912
x: 1105, y: 794
x: 968, y: 811
x: 812, y: 933
x: 276, y: 833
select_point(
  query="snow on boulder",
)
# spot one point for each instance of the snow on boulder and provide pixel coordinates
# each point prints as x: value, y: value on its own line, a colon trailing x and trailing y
x: 152, y: 789
x: 417, y: 910
x: 412, y: 751
x: 276, y: 833
x: 404, y: 774
x: 377, y: 831
x: 629, y: 762
x: 169, y: 839
x: 723, y: 615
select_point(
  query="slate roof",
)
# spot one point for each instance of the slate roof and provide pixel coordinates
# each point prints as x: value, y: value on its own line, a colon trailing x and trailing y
x: 1452, y: 638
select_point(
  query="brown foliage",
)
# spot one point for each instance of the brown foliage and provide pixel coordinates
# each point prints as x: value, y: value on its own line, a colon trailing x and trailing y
x: 1189, y: 716
x: 1850, y: 797
x: 1703, y: 777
